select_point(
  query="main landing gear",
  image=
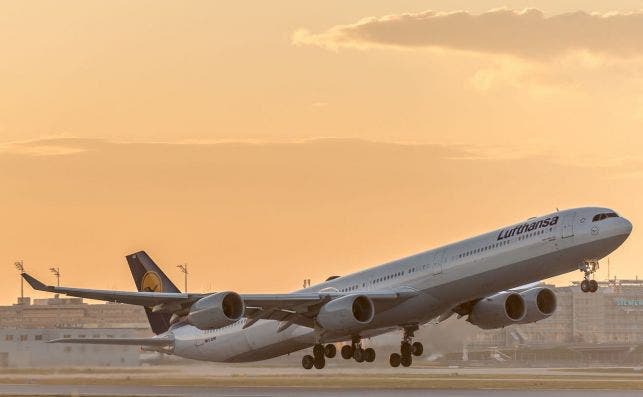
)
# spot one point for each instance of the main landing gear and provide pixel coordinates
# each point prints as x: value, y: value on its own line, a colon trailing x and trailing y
x: 407, y: 349
x: 588, y: 284
x: 356, y: 352
x: 321, y: 352
x: 318, y: 359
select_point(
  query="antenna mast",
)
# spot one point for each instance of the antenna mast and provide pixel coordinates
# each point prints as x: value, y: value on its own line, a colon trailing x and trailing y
x: 21, y: 268
x: 184, y: 270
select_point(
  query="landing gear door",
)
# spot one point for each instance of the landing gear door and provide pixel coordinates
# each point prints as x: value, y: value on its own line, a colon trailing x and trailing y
x: 568, y: 225
x: 438, y: 261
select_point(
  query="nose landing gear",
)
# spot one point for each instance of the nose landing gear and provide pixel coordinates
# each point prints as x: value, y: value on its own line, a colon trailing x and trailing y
x: 589, y: 267
x: 407, y: 349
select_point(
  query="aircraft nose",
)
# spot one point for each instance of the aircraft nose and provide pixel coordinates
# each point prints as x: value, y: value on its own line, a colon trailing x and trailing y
x: 626, y: 226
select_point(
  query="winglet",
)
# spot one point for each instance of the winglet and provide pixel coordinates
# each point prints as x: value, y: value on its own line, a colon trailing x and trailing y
x: 37, y: 285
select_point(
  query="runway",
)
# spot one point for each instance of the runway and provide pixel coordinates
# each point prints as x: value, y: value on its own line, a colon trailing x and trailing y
x: 261, y: 381
x: 167, y: 391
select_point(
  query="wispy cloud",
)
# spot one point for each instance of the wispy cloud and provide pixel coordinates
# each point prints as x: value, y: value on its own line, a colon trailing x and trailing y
x: 46, y: 147
x: 525, y: 34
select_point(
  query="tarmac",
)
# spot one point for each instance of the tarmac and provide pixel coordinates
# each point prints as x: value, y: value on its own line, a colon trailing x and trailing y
x: 256, y: 381
x: 117, y: 390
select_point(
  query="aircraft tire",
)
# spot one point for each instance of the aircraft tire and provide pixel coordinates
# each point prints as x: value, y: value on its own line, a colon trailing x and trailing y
x: 358, y: 355
x: 319, y: 362
x: 406, y: 361
x: 318, y: 350
x: 330, y: 350
x: 369, y: 355
x: 585, y: 285
x: 394, y: 360
x: 593, y: 286
x: 347, y: 352
x: 417, y: 349
x: 307, y: 361
x: 406, y: 349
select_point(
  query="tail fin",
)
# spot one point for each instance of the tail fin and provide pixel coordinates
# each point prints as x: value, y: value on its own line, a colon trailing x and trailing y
x: 149, y: 277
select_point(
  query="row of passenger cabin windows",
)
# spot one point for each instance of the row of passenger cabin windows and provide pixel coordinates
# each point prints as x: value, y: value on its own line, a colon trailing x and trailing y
x: 500, y: 244
x: 394, y: 275
x: 600, y: 217
x: 379, y: 280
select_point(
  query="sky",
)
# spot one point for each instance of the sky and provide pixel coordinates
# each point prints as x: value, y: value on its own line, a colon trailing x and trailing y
x: 264, y: 143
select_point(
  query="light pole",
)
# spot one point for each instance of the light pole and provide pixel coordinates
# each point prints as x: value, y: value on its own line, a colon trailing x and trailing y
x: 21, y: 268
x: 56, y: 272
x: 184, y: 270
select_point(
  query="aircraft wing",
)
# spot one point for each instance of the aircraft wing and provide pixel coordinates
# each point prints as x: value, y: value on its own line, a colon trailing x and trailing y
x: 159, y: 342
x: 528, y: 286
x: 148, y: 299
x: 291, y: 308
x: 302, y: 308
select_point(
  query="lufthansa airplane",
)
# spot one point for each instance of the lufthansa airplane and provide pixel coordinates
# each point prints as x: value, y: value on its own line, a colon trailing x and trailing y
x: 479, y: 278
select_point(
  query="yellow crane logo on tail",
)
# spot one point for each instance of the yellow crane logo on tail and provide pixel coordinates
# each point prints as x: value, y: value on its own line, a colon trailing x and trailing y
x: 151, y: 282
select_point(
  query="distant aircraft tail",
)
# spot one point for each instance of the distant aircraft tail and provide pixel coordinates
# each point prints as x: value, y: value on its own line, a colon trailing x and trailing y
x: 150, y: 278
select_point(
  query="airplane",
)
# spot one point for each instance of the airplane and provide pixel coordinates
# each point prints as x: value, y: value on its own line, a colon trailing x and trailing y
x: 479, y: 278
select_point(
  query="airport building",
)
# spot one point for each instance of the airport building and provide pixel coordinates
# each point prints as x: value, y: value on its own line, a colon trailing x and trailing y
x: 24, y: 327
x: 601, y: 327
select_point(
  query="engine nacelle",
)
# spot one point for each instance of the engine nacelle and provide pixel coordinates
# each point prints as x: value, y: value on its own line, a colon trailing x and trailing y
x: 346, y: 313
x: 497, y: 311
x: 541, y: 303
x: 216, y: 310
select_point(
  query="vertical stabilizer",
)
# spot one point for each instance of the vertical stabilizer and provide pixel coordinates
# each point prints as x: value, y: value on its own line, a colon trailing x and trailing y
x: 150, y: 278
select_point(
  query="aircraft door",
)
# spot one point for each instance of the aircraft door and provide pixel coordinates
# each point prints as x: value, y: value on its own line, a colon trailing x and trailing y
x: 438, y: 262
x: 568, y: 225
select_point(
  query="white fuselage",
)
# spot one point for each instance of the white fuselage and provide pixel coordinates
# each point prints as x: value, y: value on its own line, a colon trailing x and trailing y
x: 443, y: 277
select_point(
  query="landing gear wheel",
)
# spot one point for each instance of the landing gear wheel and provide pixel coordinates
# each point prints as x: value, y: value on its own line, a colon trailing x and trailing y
x: 417, y: 349
x: 358, y: 355
x: 369, y: 355
x: 406, y: 361
x: 406, y: 349
x: 319, y: 362
x: 307, y: 361
x: 330, y: 350
x: 318, y: 350
x: 347, y: 352
x: 585, y: 286
x: 589, y: 267
x: 394, y: 360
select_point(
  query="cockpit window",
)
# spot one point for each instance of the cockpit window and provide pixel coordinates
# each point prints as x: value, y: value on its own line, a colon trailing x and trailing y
x: 600, y: 217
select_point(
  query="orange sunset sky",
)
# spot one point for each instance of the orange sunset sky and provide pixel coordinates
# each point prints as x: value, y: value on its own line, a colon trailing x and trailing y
x: 267, y: 142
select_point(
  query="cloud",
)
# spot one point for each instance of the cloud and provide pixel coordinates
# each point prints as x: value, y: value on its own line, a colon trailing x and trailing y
x: 44, y: 147
x: 525, y: 34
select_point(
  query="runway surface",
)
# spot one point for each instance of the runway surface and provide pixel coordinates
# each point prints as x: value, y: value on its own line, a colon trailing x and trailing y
x: 115, y: 390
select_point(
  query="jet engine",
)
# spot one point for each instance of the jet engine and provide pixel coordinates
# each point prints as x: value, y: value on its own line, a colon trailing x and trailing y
x: 498, y: 311
x: 541, y: 303
x: 216, y: 310
x: 346, y: 313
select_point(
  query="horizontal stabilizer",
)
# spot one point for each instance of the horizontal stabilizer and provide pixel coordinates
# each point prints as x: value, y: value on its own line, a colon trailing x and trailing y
x: 118, y: 341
